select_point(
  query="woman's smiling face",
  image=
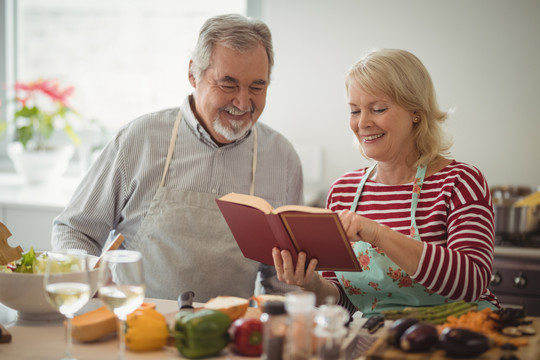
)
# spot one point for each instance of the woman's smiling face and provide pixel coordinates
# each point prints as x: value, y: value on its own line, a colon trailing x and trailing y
x: 383, y: 128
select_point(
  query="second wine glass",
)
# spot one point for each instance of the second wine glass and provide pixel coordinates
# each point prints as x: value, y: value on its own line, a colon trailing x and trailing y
x: 121, y: 287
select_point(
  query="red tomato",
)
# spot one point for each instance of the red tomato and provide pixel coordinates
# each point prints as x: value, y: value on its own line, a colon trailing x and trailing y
x: 246, y: 336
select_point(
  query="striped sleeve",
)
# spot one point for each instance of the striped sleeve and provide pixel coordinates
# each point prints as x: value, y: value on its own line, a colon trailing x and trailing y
x: 461, y: 268
x: 342, y: 299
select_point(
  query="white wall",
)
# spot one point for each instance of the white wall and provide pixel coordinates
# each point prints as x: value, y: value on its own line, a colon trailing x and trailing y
x: 483, y: 55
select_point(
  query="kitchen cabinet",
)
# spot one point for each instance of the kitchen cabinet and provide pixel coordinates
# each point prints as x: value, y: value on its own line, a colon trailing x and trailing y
x: 28, y: 210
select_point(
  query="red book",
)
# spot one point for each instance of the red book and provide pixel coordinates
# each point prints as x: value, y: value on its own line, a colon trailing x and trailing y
x: 257, y: 228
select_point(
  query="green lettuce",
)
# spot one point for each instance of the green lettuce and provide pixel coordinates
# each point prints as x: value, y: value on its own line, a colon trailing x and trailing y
x: 26, y: 262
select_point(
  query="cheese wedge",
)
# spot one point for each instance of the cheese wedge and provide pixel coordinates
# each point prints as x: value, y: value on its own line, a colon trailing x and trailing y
x: 95, y: 324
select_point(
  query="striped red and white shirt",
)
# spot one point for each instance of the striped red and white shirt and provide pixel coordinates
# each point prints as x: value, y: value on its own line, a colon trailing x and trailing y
x: 455, y: 220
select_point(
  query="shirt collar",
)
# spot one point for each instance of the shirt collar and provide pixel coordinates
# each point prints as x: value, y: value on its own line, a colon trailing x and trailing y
x: 199, y: 130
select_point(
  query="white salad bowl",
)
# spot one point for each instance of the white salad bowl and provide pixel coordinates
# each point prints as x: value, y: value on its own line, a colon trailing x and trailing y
x: 25, y: 293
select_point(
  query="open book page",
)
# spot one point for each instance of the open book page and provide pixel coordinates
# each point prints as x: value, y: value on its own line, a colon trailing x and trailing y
x: 249, y: 200
x: 265, y: 207
x: 302, y: 208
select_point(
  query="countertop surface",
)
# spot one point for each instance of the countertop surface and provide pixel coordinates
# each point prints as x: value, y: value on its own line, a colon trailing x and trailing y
x: 45, y: 339
x: 15, y: 192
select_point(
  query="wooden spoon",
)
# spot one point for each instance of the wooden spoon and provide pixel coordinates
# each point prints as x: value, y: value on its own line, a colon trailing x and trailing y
x: 113, y: 245
x: 7, y: 253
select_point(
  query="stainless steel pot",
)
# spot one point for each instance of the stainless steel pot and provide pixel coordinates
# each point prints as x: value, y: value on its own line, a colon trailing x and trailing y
x: 511, y: 219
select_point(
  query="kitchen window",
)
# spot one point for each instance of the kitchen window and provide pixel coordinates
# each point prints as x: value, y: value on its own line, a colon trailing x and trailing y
x: 124, y: 57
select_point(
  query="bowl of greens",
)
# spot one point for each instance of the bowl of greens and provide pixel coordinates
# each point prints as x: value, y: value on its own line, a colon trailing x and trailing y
x: 22, y: 288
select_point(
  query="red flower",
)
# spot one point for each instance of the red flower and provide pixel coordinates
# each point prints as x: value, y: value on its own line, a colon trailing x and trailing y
x: 374, y: 304
x: 405, y: 281
x: 364, y: 260
x: 41, y: 104
x: 374, y: 285
x: 394, y: 274
x: 355, y: 291
x: 50, y: 88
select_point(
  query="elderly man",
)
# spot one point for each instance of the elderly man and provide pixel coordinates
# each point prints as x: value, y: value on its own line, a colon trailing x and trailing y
x: 157, y: 180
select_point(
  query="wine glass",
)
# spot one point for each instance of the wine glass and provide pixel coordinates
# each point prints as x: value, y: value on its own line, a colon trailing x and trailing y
x: 67, y: 285
x: 121, y: 287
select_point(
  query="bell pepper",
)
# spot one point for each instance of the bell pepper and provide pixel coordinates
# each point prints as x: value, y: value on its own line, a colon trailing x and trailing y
x: 246, y: 336
x: 146, y: 329
x: 201, y: 333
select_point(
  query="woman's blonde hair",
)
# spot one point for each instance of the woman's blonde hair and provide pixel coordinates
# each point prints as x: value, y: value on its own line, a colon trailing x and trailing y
x: 402, y: 77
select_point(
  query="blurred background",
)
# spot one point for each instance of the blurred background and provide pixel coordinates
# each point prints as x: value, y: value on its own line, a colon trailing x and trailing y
x: 129, y: 57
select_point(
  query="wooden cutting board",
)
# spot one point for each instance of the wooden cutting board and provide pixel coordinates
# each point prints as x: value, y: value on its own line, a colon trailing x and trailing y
x: 381, y: 350
x: 7, y: 253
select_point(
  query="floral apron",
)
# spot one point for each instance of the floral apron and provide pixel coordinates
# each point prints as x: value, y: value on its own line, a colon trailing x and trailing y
x: 382, y: 285
x: 187, y: 245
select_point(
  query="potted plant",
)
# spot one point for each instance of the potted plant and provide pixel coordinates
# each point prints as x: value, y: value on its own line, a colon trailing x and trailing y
x: 41, y: 110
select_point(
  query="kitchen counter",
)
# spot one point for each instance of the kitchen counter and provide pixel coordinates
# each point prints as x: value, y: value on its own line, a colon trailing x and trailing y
x: 45, y: 339
x: 15, y: 192
x: 23, y: 204
x: 518, y: 251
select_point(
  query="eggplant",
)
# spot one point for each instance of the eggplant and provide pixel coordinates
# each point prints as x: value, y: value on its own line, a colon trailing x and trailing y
x: 419, y: 337
x: 463, y: 343
x: 398, y: 328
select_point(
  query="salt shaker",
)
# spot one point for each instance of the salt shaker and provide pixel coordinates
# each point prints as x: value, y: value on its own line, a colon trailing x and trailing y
x: 330, y: 331
x: 300, y: 306
x: 274, y: 319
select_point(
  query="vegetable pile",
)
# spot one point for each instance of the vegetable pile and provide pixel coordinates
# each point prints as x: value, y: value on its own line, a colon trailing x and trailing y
x: 457, y: 328
x: 24, y: 265
x: 434, y: 315
x: 495, y: 325
x: 31, y: 264
x: 411, y: 335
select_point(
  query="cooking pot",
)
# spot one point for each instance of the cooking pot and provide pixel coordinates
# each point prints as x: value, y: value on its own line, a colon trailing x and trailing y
x: 511, y: 219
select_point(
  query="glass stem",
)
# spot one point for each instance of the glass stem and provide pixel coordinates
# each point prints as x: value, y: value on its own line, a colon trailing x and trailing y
x: 69, y: 341
x: 121, y: 337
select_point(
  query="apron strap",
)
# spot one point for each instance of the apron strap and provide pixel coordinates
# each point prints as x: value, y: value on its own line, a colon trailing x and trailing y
x: 171, y: 146
x: 253, y: 163
x: 417, y: 187
x: 361, y: 187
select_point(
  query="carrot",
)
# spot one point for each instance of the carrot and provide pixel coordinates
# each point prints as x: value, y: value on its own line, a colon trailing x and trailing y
x: 484, y: 322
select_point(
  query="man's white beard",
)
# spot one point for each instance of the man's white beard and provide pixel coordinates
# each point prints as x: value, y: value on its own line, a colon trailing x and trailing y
x: 234, y: 131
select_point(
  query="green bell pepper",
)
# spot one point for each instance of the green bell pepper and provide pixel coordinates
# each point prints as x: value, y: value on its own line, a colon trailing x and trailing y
x: 202, y: 333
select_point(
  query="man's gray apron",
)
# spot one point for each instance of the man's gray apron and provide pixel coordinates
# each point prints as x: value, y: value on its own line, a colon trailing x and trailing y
x: 187, y: 245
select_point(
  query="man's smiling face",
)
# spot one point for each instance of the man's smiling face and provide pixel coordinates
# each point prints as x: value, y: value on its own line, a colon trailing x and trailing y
x: 231, y: 94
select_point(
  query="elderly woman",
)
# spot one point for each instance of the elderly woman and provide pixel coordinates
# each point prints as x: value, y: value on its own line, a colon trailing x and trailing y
x: 421, y: 223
